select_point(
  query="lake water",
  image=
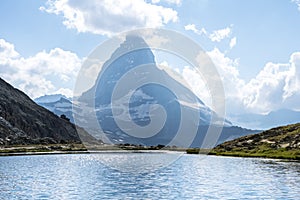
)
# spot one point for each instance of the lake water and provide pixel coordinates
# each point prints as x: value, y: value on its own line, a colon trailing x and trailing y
x: 86, y: 176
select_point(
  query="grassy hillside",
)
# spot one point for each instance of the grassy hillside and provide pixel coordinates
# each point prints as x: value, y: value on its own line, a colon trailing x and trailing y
x: 280, y: 142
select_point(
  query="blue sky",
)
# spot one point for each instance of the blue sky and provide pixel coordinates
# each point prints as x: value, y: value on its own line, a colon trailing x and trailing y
x: 255, y: 44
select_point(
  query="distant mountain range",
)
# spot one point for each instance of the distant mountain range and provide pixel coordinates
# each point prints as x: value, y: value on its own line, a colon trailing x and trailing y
x: 273, y: 119
x: 24, y: 122
x: 58, y: 104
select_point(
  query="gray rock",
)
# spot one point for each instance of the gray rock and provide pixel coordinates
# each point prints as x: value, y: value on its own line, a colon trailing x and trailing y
x: 22, y: 121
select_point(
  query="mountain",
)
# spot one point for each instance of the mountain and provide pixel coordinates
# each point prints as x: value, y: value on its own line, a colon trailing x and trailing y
x: 23, y: 122
x: 131, y: 111
x: 275, y: 118
x: 280, y: 142
x: 58, y: 104
x: 50, y: 98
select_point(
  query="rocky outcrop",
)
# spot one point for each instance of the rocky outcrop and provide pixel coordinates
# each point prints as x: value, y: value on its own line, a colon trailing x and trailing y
x: 22, y: 121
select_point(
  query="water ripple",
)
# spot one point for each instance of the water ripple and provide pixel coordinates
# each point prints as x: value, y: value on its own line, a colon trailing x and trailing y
x: 190, y: 177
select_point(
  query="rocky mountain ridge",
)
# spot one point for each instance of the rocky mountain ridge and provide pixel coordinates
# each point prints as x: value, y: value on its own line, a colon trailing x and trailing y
x: 58, y: 104
x: 24, y: 122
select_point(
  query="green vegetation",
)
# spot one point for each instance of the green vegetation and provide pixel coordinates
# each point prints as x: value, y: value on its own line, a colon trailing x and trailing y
x: 79, y: 148
x: 198, y: 151
x: 280, y: 153
x: 23, y: 149
x: 281, y: 142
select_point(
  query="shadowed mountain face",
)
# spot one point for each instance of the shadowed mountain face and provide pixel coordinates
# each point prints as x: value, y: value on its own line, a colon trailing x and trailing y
x: 130, y: 91
x: 24, y: 122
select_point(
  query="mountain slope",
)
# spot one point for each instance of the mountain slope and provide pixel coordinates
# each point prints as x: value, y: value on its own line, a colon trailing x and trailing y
x: 280, y: 142
x: 49, y: 98
x: 275, y: 118
x: 24, y: 122
x: 141, y: 103
x: 58, y: 104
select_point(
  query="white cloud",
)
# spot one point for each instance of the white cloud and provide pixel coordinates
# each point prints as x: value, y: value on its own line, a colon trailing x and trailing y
x: 265, y: 92
x: 232, y: 42
x: 220, y: 34
x: 192, y: 27
x: 43, y: 73
x: 297, y: 2
x: 197, y: 83
x: 189, y: 78
x: 155, y: 1
x: 65, y: 91
x: 276, y: 86
x: 227, y: 69
x: 233, y: 85
x: 176, y: 2
x: 7, y: 51
x: 215, y: 36
x: 110, y: 16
